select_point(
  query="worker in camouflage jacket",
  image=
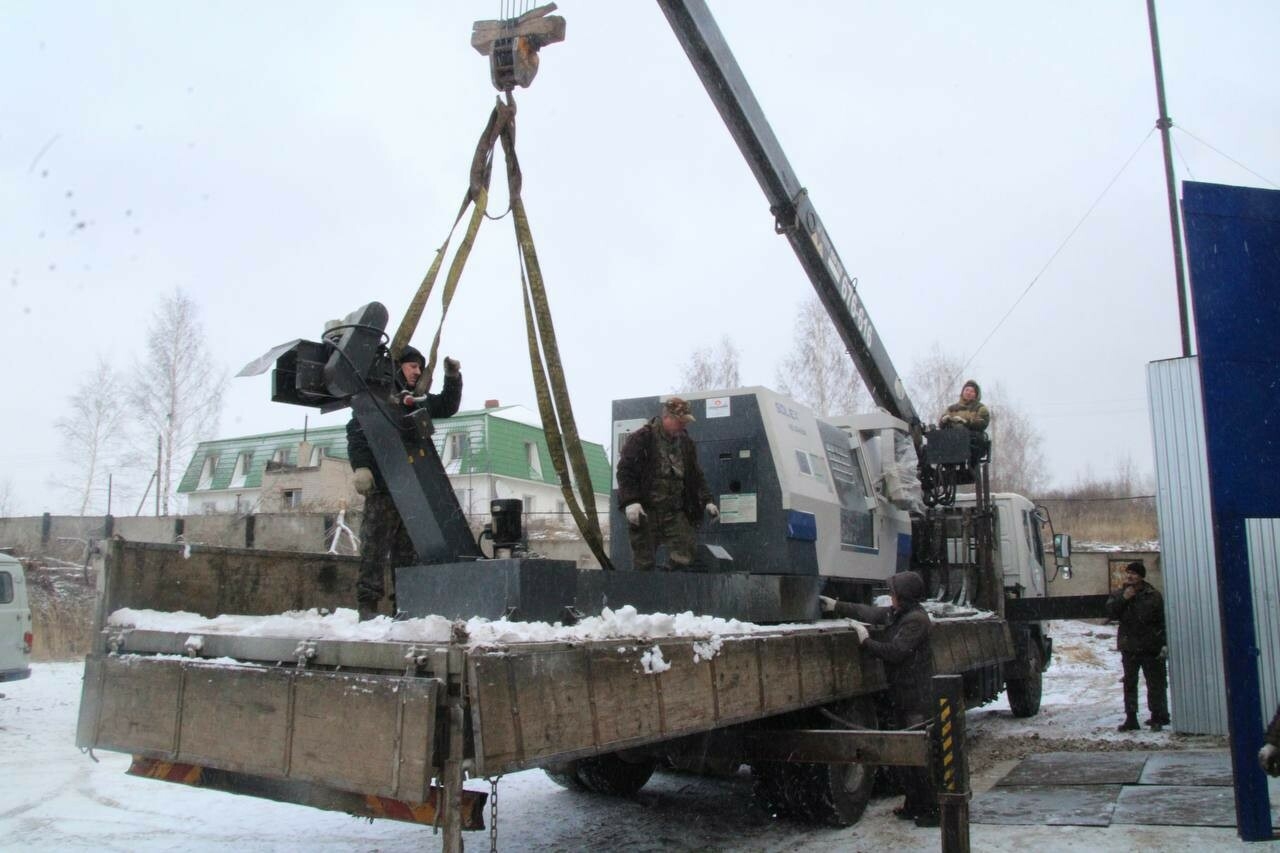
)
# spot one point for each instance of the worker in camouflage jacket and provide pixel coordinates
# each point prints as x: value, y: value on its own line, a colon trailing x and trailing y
x: 969, y: 411
x: 661, y: 488
x: 1139, y: 608
x: 1269, y: 755
x: 384, y: 542
x: 903, y: 644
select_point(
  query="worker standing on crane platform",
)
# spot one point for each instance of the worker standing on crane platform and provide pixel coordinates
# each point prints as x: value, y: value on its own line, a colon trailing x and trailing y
x: 383, y: 539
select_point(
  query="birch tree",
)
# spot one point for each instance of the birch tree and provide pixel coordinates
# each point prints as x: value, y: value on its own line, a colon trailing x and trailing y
x: 93, y: 435
x: 819, y: 371
x: 711, y: 368
x: 177, y: 389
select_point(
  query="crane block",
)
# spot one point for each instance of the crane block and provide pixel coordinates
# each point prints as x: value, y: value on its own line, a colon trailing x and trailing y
x: 512, y: 45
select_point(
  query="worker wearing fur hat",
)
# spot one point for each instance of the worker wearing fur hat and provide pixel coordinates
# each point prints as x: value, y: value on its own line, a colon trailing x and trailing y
x: 384, y: 542
x: 661, y: 488
x: 1139, y: 607
x: 969, y: 411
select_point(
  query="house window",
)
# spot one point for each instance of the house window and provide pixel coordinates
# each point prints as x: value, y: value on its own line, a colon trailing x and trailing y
x: 240, y: 472
x: 534, y: 460
x: 206, y: 473
x: 464, y: 499
x: 316, y: 454
x: 456, y: 447
x: 291, y: 498
x: 281, y: 456
x: 528, y: 504
x: 561, y: 510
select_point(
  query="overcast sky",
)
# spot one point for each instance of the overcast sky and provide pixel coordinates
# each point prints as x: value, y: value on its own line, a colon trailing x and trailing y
x: 284, y: 163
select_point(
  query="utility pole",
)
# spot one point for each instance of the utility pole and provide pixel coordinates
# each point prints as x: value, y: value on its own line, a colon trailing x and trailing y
x: 1164, y: 123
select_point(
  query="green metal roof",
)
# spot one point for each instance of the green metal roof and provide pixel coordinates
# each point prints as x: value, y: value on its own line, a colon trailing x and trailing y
x: 497, y: 441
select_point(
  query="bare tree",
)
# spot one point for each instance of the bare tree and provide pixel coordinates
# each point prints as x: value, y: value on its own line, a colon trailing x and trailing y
x: 177, y: 391
x: 93, y: 434
x: 709, y: 368
x: 934, y: 383
x: 819, y: 371
x: 7, y: 505
x: 1017, y: 455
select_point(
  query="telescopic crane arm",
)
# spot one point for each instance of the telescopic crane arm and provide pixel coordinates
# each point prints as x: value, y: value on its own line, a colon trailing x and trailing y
x: 794, y: 214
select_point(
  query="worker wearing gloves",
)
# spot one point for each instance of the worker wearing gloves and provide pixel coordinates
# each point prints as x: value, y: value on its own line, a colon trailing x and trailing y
x: 903, y: 645
x: 661, y: 488
x: 383, y: 539
x: 1269, y: 755
x: 1139, y: 608
x: 970, y: 411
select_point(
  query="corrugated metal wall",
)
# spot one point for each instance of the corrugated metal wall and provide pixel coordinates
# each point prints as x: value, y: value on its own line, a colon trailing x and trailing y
x: 1196, y: 682
x: 1263, y: 537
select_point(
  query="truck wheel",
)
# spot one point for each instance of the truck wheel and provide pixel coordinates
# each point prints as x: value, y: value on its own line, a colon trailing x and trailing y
x: 565, y: 775
x: 830, y: 794
x: 1024, y: 693
x: 609, y: 774
x: 840, y: 792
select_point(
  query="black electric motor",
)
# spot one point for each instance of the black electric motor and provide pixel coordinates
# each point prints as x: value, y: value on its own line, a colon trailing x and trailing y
x: 507, y: 528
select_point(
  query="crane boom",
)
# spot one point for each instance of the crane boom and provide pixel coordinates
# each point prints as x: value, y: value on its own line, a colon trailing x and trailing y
x: 794, y: 214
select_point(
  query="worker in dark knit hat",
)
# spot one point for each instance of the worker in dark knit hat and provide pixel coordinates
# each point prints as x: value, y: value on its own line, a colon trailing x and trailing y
x: 1139, y: 608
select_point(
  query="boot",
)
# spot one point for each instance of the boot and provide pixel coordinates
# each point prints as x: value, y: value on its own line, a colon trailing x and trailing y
x: 1158, y: 720
x: 367, y: 609
x: 1130, y: 724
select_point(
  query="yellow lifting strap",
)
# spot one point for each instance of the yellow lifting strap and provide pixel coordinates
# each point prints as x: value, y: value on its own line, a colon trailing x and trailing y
x: 554, y: 407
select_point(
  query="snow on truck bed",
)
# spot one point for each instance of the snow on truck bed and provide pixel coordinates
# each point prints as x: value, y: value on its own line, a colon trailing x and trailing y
x: 625, y: 623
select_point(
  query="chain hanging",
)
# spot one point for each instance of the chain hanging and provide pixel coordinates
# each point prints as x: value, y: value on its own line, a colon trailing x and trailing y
x: 493, y: 813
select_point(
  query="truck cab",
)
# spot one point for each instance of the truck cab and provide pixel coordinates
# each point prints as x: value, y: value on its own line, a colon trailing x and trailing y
x: 1017, y: 544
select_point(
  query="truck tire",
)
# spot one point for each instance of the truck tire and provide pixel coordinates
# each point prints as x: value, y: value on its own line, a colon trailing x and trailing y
x: 565, y: 775
x: 609, y: 774
x: 829, y: 794
x: 1024, y: 693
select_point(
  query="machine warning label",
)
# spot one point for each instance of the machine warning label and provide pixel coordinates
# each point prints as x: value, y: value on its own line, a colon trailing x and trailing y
x: 737, y: 509
x: 717, y: 407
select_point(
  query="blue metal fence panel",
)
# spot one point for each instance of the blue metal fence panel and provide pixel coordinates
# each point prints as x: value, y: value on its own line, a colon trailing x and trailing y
x: 1233, y: 244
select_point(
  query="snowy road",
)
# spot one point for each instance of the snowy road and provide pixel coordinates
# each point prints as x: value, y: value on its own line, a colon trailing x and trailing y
x: 55, y: 798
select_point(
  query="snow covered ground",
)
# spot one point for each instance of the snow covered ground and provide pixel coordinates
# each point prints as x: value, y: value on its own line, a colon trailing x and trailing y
x: 54, y: 798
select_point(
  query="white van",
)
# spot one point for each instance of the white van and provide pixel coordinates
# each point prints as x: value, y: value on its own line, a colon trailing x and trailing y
x: 15, y: 621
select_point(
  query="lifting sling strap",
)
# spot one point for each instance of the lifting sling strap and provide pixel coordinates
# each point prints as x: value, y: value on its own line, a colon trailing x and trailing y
x: 554, y: 407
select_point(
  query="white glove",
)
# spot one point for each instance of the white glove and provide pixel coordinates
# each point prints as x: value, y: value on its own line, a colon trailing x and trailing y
x: 826, y: 604
x: 713, y: 511
x: 635, y: 514
x: 1269, y: 760
x: 861, y: 631
x: 452, y: 367
x: 363, y: 480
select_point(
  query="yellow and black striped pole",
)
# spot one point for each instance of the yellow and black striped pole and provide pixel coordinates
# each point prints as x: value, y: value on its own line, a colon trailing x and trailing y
x: 951, y: 771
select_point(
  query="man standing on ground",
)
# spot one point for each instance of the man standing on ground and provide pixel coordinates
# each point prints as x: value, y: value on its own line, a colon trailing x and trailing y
x: 383, y: 539
x: 661, y: 488
x: 904, y: 647
x: 1139, y: 607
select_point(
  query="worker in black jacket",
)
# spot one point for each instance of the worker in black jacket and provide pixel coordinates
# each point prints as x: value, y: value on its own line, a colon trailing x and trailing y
x: 904, y: 646
x: 383, y: 539
x: 1139, y: 607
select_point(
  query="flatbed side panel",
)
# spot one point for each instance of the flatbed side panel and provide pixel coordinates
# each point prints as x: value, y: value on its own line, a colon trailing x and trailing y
x: 534, y: 706
x: 959, y: 646
x: 368, y: 734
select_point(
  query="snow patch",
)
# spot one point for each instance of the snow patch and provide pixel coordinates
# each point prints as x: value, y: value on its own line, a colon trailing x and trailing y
x: 652, y: 661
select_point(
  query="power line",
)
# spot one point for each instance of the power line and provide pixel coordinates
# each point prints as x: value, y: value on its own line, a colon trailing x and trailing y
x: 1055, y: 254
x: 1228, y: 157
